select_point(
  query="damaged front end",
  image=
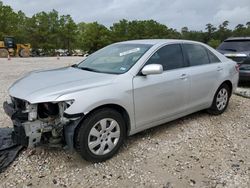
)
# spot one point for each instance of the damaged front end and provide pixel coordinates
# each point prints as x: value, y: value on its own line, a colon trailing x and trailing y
x: 42, y: 123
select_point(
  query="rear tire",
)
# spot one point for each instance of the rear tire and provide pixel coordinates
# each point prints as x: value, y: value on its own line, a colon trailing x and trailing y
x: 4, y: 53
x: 100, y: 135
x: 220, y: 101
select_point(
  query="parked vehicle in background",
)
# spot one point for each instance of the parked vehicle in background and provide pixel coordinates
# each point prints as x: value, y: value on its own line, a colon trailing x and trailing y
x: 77, y: 52
x: 38, y: 52
x: 238, y: 49
x: 63, y: 52
x: 86, y: 55
x: 9, y: 47
x: 118, y: 91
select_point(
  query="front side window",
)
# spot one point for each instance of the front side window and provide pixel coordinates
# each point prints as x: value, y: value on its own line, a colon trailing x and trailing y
x: 170, y: 57
x: 196, y: 54
x: 114, y: 59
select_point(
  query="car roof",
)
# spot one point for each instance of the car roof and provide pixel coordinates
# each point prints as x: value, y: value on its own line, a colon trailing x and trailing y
x: 155, y: 41
x: 237, y: 38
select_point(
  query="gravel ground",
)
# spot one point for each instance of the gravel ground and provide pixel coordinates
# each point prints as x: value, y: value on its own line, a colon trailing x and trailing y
x: 243, y: 91
x: 199, y: 150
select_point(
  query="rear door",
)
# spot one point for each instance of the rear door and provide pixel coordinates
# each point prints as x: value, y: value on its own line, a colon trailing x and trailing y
x: 163, y: 95
x: 205, y: 71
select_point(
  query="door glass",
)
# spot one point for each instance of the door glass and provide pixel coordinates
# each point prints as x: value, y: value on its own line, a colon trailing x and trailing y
x: 196, y: 54
x: 213, y: 58
x: 170, y: 57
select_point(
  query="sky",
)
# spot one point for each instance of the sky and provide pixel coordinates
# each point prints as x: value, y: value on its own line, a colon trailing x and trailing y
x: 194, y: 14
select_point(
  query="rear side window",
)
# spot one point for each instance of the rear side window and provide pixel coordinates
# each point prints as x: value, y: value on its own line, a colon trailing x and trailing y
x: 213, y: 58
x: 170, y: 57
x: 196, y: 54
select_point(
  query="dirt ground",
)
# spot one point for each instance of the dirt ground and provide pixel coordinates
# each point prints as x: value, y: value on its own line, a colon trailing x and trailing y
x: 199, y: 150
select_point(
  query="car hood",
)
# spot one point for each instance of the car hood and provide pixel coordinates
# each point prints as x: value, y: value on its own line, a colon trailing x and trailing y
x: 48, y: 85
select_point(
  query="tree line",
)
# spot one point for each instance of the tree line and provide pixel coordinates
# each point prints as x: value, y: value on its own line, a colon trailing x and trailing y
x: 50, y: 31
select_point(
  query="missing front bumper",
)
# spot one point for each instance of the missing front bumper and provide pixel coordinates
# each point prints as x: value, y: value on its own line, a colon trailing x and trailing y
x: 13, y: 113
x: 34, y: 133
x: 25, y: 133
x: 18, y: 135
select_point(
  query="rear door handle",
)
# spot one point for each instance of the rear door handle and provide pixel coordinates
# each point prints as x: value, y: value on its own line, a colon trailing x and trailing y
x: 219, y: 68
x: 183, y: 76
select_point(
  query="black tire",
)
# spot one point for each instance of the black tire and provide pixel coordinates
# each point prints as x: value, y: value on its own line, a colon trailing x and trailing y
x: 214, y: 110
x: 4, y: 53
x: 24, y: 53
x: 83, y: 134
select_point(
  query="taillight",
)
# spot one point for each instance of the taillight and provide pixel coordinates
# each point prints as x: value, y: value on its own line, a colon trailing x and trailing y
x: 237, y: 67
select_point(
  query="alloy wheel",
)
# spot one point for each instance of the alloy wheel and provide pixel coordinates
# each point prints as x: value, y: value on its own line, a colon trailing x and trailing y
x: 104, y: 136
x: 221, y: 100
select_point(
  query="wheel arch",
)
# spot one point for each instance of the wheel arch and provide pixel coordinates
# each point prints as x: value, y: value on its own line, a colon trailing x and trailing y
x: 229, y: 84
x: 116, y: 107
x: 119, y: 109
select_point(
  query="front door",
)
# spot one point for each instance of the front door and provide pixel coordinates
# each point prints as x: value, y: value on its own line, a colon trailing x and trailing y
x: 160, y: 96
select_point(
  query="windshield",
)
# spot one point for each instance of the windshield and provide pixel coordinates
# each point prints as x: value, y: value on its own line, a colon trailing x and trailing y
x: 235, y: 45
x: 114, y: 59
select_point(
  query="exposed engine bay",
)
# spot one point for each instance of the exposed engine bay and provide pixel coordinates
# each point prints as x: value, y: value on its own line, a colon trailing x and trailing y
x: 39, y: 124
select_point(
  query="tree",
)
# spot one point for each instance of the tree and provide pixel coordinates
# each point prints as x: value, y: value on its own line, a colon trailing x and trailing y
x: 68, y: 32
x: 20, y: 33
x: 223, y: 32
x: 119, y: 31
x: 210, y: 31
x: 248, y: 24
x: 8, y: 21
x: 214, y: 43
x: 49, y: 31
x: 141, y: 29
x: 94, y: 36
x: 184, y: 30
x: 241, y: 31
x: 239, y: 27
x: 225, y: 24
x: 42, y: 29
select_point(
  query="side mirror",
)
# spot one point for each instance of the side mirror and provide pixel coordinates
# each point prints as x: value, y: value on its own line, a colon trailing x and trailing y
x: 152, y: 69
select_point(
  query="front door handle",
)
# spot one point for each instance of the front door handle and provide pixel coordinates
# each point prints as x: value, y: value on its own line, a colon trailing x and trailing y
x: 183, y: 76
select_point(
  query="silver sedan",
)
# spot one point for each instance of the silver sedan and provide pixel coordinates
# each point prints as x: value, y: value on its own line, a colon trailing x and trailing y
x: 118, y: 91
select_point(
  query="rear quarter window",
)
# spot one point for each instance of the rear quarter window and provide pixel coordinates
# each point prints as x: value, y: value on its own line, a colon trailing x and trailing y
x: 212, y: 57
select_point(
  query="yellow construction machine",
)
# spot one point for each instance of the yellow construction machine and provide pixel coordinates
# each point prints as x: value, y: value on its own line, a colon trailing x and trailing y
x: 9, y: 47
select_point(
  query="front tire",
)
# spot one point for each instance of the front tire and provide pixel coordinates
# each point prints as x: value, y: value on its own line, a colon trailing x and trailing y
x: 100, y: 135
x: 220, y: 101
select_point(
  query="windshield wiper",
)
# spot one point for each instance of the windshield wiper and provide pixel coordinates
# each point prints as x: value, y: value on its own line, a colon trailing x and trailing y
x: 88, y: 69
